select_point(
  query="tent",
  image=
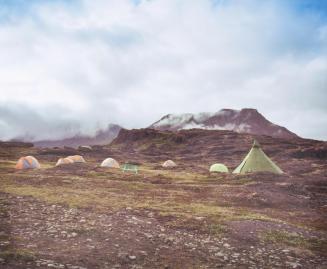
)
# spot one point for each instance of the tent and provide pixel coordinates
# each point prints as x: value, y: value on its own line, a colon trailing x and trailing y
x: 218, y: 167
x: 64, y: 161
x: 85, y: 148
x: 169, y: 164
x: 110, y: 162
x: 130, y: 167
x: 77, y: 159
x: 27, y: 162
x: 257, y: 161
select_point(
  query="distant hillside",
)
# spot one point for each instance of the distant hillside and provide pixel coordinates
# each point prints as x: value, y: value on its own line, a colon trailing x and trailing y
x: 15, y: 149
x: 246, y: 120
x: 102, y: 137
x: 207, y: 146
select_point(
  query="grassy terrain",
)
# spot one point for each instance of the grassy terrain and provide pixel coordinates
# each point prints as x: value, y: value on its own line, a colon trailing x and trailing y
x: 177, y: 193
x: 294, y: 239
x: 244, y: 209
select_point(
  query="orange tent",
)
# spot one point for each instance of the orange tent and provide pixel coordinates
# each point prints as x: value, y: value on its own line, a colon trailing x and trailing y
x: 27, y: 162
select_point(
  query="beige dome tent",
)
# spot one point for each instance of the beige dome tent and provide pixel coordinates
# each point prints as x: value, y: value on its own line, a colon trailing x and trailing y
x: 257, y: 161
x: 169, y: 164
x: 110, y: 162
x: 27, y: 162
x: 76, y: 159
x: 219, y: 168
x: 64, y: 161
x: 85, y: 148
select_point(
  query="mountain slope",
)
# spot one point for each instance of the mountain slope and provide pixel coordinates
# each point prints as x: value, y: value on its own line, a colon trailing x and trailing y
x: 246, y: 120
x: 101, y: 137
x: 198, y: 147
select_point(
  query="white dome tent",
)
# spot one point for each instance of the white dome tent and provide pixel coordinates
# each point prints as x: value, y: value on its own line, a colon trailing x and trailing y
x: 110, y: 163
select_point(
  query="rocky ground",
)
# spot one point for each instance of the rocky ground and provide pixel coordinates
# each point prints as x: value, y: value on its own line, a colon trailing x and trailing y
x: 83, y: 216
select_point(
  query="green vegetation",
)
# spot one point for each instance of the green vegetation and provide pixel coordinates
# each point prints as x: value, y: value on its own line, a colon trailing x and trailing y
x: 86, y: 231
x: 217, y: 229
x: 4, y: 237
x: 180, y: 195
x: 17, y: 255
x: 294, y: 240
x: 175, y: 176
x: 166, y: 202
x: 7, y: 164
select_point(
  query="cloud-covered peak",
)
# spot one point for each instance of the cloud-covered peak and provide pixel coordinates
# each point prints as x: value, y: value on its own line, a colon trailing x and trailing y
x: 79, y: 65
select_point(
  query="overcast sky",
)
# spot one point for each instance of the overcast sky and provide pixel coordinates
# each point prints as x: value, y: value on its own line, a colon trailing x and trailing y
x: 81, y: 64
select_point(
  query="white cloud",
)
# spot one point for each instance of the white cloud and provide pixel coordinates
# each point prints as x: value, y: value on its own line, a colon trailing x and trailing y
x: 96, y: 62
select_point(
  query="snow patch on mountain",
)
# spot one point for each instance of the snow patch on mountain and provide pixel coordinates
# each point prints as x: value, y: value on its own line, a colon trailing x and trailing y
x: 171, y: 119
x: 246, y: 120
x: 229, y: 126
x: 202, y: 116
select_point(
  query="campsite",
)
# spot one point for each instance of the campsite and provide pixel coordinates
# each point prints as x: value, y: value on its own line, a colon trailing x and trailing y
x: 165, y: 217
x: 163, y: 134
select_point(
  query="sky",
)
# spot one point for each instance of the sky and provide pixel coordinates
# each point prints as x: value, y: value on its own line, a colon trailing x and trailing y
x: 78, y: 65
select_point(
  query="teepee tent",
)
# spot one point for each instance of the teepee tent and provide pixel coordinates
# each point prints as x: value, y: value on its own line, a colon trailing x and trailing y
x: 76, y: 159
x: 64, y: 161
x: 110, y: 162
x: 257, y: 161
x: 27, y: 162
x: 219, y: 168
x: 169, y: 164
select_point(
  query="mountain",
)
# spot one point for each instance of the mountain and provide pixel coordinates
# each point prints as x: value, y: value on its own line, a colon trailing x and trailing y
x: 101, y: 137
x: 247, y: 120
x: 198, y: 147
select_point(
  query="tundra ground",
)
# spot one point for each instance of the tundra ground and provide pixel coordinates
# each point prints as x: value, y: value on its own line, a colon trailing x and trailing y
x: 83, y: 216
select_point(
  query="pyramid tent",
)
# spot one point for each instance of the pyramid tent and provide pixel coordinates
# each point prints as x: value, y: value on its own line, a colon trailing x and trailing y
x: 110, y: 162
x: 257, y: 161
x: 169, y: 164
x: 218, y: 167
x: 27, y: 162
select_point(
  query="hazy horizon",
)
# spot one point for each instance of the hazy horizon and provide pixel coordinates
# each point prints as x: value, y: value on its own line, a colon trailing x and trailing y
x: 77, y: 65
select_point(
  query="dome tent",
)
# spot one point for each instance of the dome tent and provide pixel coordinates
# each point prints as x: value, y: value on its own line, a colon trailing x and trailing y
x: 169, y: 164
x: 257, y: 161
x: 27, y: 162
x: 218, y: 167
x: 110, y: 162
x: 77, y: 159
x: 85, y: 148
x: 64, y: 161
